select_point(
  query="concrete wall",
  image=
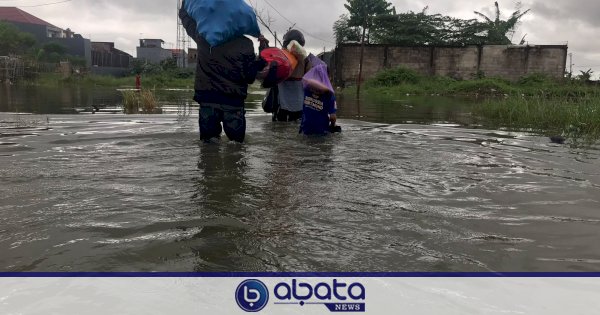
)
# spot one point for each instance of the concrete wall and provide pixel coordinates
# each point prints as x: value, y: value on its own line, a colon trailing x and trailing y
x: 153, y: 55
x: 40, y: 32
x: 76, y: 46
x: 508, y: 62
x: 110, y: 59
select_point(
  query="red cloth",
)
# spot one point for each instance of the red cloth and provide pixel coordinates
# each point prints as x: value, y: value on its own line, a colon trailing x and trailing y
x: 280, y: 67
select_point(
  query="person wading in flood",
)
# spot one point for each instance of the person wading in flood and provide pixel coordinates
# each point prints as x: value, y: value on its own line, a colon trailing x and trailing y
x: 319, y: 114
x: 223, y: 74
x: 291, y: 91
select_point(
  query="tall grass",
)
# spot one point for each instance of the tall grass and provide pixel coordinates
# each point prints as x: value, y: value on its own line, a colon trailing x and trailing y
x: 144, y: 101
x: 401, y: 81
x: 571, y: 118
x: 148, y: 81
x: 558, y: 108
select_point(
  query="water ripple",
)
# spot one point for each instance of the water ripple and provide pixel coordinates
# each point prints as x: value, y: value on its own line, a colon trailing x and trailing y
x: 123, y: 193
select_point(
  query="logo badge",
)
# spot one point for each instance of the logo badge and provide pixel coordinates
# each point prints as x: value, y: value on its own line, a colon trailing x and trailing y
x: 252, y: 295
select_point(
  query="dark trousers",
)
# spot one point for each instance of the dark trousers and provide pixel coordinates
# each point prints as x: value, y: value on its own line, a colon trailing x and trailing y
x: 285, y: 115
x: 233, y: 119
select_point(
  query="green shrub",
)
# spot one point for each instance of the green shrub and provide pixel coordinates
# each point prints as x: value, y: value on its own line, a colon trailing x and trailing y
x: 394, y: 77
x: 535, y: 79
x: 489, y: 86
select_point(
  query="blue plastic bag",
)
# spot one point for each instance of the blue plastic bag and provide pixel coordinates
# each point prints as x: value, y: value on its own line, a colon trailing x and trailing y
x: 220, y: 21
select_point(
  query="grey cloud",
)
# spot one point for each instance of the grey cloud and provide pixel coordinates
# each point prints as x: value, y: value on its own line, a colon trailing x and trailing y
x: 575, y: 21
x: 587, y: 11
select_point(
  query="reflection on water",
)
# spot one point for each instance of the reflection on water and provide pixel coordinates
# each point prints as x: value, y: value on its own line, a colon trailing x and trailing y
x: 409, y: 109
x: 70, y: 100
x: 56, y: 100
x: 140, y: 193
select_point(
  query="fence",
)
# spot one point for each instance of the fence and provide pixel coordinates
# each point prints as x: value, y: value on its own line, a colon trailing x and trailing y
x: 504, y: 61
x: 11, y: 69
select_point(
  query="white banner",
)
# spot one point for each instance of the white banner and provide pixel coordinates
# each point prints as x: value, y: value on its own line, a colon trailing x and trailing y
x: 385, y: 296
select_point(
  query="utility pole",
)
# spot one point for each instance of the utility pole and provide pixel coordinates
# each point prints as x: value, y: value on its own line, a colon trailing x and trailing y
x: 362, y: 55
x: 183, y: 41
x: 570, y: 64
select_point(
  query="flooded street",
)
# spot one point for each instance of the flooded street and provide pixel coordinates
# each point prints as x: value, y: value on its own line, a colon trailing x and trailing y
x: 115, y: 192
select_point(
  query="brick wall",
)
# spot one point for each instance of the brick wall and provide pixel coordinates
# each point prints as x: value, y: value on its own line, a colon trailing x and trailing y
x: 508, y: 62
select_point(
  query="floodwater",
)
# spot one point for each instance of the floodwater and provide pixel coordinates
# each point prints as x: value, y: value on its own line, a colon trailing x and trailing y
x: 406, y: 187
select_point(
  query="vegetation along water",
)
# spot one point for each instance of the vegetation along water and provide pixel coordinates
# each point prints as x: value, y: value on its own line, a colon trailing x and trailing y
x: 566, y: 108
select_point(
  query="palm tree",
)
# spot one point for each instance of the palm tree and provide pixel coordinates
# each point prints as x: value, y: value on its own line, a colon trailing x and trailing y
x: 497, y: 29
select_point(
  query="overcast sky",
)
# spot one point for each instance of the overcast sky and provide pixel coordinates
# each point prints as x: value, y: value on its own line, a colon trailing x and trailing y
x: 124, y: 22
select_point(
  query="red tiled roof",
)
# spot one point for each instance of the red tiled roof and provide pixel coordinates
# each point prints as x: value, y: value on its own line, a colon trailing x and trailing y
x: 13, y: 14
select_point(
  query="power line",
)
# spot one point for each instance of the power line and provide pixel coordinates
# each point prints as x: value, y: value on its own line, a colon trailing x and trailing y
x: 44, y: 4
x: 38, y: 5
x: 299, y: 28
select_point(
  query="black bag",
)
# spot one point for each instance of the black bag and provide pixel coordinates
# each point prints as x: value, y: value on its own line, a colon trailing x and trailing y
x: 333, y: 128
x: 271, y: 102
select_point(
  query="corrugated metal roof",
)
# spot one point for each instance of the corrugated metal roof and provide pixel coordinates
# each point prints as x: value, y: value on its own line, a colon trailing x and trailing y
x: 13, y: 14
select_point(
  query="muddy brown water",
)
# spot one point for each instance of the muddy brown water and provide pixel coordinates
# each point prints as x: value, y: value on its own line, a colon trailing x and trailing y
x: 407, y: 186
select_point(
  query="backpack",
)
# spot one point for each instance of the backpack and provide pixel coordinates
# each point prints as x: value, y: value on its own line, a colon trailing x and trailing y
x: 270, y: 103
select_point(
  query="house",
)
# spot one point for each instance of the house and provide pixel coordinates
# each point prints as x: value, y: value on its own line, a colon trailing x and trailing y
x: 107, y: 60
x: 45, y: 32
x: 151, y: 50
x: 181, y: 56
x: 26, y: 22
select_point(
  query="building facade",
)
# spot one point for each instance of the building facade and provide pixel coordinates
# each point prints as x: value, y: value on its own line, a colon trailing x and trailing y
x: 46, y: 33
x: 152, y: 51
x: 107, y: 60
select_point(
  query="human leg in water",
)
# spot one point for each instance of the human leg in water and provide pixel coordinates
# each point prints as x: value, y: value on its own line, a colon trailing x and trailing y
x: 285, y: 115
x: 234, y: 123
x: 210, y: 122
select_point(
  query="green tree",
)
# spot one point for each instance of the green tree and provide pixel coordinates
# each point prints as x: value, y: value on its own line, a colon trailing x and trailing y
x: 409, y: 29
x: 13, y: 41
x: 169, y: 64
x: 461, y: 32
x: 497, y: 29
x: 419, y: 29
x: 585, y: 76
x: 362, y: 13
x: 51, y: 52
x: 345, y: 33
